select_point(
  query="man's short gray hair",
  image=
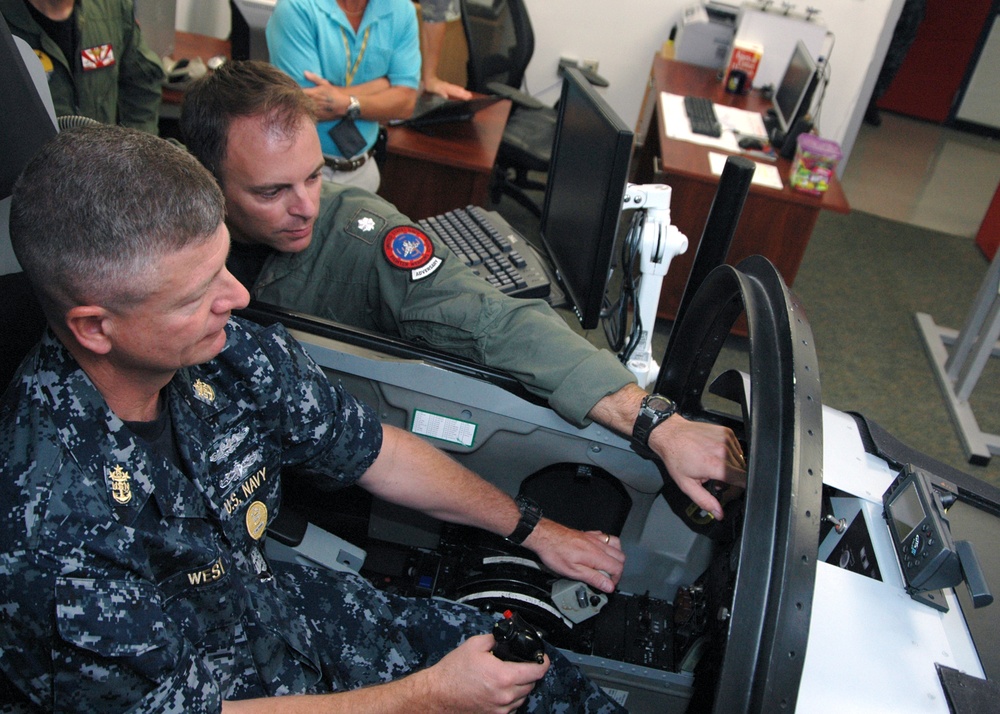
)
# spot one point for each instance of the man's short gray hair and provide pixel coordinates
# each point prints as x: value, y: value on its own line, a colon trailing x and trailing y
x: 95, y: 209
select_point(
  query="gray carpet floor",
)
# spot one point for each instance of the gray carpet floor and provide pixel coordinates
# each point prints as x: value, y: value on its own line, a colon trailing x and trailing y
x: 862, y: 280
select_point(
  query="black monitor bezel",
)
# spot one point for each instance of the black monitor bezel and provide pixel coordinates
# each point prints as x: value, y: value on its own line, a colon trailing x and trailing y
x: 586, y: 291
x: 803, y: 92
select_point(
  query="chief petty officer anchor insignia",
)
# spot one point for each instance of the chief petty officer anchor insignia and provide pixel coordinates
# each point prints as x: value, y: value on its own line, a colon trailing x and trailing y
x: 204, y: 391
x: 121, y: 484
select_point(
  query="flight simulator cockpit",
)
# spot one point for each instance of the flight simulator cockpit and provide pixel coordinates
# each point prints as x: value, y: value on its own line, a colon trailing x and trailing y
x: 832, y: 579
x: 834, y: 574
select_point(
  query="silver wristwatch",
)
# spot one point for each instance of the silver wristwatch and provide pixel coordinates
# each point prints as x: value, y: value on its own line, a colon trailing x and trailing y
x: 353, y: 108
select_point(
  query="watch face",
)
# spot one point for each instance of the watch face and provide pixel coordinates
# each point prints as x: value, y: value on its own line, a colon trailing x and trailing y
x: 658, y: 403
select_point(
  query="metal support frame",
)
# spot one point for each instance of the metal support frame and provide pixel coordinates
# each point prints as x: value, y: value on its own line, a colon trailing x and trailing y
x: 958, y: 373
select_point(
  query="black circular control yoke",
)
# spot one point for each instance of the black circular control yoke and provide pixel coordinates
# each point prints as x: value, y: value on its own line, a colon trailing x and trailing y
x: 770, y: 612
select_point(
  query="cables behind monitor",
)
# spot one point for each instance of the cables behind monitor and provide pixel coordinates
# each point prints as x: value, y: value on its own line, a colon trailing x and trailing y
x: 623, y: 337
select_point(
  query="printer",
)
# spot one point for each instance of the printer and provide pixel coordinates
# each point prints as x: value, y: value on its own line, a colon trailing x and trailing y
x: 705, y: 34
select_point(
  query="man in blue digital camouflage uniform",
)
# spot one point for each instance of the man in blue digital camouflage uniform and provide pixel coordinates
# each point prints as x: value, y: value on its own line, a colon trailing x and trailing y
x: 327, y: 250
x: 143, y: 445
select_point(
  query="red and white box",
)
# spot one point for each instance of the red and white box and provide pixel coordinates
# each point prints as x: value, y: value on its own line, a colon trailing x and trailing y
x: 744, y: 59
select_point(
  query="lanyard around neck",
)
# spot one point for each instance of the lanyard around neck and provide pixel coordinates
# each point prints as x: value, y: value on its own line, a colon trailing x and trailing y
x: 349, y: 69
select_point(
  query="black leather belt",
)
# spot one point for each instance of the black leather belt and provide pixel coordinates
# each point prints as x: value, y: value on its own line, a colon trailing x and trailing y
x: 348, y: 164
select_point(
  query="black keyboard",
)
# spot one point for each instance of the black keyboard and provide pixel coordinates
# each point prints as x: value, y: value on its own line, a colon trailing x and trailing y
x: 492, y: 249
x: 701, y: 114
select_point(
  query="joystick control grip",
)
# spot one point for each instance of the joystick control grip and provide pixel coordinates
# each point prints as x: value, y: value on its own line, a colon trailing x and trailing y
x: 517, y: 641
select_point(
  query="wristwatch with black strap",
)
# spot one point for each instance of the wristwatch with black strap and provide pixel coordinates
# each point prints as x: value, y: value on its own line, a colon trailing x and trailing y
x: 654, y: 410
x: 531, y: 513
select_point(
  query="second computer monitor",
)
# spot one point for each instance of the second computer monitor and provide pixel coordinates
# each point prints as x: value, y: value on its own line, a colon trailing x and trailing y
x: 794, y: 94
x: 584, y: 191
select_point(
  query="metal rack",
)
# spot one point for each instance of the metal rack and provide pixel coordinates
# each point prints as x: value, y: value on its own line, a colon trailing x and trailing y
x: 958, y: 373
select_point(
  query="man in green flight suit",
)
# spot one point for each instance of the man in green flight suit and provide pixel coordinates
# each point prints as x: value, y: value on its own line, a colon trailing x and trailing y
x: 97, y: 63
x: 331, y: 251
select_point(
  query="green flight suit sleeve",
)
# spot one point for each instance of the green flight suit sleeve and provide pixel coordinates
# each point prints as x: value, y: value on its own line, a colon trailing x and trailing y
x: 345, y: 276
x: 140, y: 79
x: 458, y: 312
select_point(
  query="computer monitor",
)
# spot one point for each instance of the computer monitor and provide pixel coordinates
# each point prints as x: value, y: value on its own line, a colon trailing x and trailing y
x: 584, y: 191
x: 794, y: 94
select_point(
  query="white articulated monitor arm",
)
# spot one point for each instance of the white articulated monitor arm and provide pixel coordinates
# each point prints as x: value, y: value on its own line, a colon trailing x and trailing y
x: 661, y: 243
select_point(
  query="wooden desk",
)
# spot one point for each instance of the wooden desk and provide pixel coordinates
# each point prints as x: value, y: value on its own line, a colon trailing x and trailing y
x: 430, y: 171
x: 775, y: 224
x: 188, y: 45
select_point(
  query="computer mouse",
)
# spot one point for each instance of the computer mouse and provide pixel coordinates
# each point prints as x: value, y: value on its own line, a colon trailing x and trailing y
x: 750, y: 143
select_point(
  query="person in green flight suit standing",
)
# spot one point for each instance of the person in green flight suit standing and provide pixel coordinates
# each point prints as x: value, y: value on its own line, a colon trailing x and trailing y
x: 94, y: 55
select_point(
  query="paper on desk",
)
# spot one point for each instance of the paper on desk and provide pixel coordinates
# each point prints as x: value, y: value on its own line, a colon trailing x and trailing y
x: 764, y: 175
x: 678, y: 127
x: 741, y: 122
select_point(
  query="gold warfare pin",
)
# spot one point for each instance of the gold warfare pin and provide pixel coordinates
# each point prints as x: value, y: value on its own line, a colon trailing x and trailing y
x: 204, y: 391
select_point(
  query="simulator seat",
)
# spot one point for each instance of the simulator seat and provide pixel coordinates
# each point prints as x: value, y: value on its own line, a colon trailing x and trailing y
x: 26, y: 121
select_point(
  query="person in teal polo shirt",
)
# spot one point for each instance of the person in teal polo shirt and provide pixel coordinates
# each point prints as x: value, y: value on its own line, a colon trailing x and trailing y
x: 359, y: 61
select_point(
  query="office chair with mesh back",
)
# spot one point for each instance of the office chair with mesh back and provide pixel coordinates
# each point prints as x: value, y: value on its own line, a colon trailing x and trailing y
x: 501, y: 42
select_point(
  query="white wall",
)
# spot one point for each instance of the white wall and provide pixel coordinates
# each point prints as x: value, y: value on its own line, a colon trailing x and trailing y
x: 624, y: 36
x: 206, y: 17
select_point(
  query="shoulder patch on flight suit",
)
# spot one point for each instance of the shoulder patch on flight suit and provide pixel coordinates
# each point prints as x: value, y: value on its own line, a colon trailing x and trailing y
x: 366, y: 225
x: 97, y: 57
x: 410, y: 249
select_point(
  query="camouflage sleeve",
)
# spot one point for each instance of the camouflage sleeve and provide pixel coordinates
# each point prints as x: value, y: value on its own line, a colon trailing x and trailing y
x: 326, y: 430
x: 440, y: 10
